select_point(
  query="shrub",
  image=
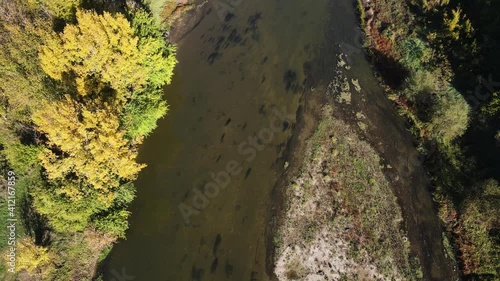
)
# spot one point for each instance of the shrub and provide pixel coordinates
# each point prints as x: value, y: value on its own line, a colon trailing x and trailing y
x: 421, y: 81
x: 142, y: 112
x: 492, y: 108
x: 361, y: 10
x: 65, y: 214
x: 115, y: 219
x: 415, y: 54
x: 480, y: 219
x: 115, y: 223
x: 31, y: 257
x: 22, y: 157
x: 451, y: 117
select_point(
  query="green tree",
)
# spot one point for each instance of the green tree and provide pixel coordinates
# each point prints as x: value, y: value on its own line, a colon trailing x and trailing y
x: 158, y: 58
x: 64, y: 9
x: 65, y: 213
x: 21, y: 157
x: 481, y: 220
x: 415, y: 53
x: 115, y: 219
x: 142, y: 112
x: 450, y: 118
x: 492, y: 108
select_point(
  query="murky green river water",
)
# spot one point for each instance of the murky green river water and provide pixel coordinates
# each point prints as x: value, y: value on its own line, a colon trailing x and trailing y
x: 230, y: 79
x: 237, y: 78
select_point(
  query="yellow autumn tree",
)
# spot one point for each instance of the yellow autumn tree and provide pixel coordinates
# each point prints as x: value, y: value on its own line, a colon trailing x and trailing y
x: 31, y: 257
x: 458, y: 24
x: 85, y: 140
x: 99, y: 51
x: 452, y: 23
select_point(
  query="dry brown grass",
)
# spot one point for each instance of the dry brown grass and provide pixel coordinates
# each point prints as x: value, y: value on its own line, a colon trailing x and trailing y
x: 342, y: 217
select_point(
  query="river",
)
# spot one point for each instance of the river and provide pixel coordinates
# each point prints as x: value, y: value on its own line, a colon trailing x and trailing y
x: 238, y: 77
x: 233, y: 73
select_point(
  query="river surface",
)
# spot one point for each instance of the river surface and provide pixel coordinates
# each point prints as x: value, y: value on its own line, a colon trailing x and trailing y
x: 238, y: 77
x: 233, y: 73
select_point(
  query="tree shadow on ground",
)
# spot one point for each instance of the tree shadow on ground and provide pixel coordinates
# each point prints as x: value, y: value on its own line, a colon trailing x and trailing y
x: 392, y: 72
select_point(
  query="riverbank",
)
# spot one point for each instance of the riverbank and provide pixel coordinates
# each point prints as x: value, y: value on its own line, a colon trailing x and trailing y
x: 427, y: 56
x: 360, y: 102
x: 341, y: 218
x: 337, y: 187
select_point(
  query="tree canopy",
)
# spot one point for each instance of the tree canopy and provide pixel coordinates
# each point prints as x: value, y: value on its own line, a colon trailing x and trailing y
x: 79, y: 90
x: 99, y: 51
x: 87, y: 143
x: 113, y: 72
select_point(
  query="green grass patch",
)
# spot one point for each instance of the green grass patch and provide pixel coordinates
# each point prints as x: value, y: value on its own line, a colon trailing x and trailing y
x: 361, y: 12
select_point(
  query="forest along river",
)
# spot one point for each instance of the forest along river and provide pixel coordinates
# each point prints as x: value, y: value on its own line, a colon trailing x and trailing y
x: 239, y: 78
x: 232, y: 78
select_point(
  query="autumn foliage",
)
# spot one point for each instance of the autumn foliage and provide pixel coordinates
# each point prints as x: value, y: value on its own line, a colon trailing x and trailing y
x: 75, y: 103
